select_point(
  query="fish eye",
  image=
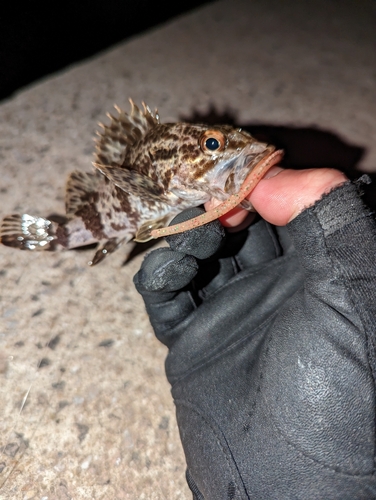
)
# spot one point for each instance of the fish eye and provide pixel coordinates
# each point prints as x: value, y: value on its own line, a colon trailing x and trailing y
x: 212, y: 141
x: 212, y: 144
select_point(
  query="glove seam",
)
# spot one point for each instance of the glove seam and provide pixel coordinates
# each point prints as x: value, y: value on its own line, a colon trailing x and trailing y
x: 354, y: 205
x: 202, y: 415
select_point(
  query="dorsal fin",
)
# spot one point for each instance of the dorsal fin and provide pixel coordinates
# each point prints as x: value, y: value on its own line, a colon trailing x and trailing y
x: 122, y: 132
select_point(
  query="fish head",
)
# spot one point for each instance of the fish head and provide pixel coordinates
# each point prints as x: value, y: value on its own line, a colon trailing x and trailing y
x: 213, y: 162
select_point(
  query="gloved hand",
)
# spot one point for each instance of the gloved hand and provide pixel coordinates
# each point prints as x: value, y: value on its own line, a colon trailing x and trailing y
x: 272, y: 361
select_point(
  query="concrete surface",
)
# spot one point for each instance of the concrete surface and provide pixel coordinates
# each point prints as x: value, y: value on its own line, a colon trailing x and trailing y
x: 85, y: 409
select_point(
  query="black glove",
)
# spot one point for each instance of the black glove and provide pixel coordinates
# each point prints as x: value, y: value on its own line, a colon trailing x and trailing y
x: 272, y: 352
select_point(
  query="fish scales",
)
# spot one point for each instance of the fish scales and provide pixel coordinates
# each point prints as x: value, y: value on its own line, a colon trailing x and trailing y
x: 145, y: 173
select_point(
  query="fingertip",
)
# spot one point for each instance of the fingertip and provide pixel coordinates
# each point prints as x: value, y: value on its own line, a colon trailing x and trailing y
x: 283, y: 196
x: 164, y: 270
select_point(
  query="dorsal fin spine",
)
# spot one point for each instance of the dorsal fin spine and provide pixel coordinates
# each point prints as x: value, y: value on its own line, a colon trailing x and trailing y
x: 122, y: 132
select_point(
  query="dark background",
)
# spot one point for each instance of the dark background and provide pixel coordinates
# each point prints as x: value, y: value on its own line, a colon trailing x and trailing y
x: 38, y: 38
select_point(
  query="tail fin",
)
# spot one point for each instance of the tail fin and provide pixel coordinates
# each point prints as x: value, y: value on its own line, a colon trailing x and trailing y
x: 27, y: 232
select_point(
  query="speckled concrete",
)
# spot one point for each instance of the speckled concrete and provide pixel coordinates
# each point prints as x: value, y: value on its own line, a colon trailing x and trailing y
x: 85, y: 409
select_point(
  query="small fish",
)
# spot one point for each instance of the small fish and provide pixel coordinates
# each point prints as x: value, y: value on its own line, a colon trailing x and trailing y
x: 146, y: 172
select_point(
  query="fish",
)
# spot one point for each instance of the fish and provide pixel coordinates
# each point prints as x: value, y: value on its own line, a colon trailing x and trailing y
x: 145, y: 173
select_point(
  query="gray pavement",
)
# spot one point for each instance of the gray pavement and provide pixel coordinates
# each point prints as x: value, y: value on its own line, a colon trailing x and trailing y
x: 85, y: 410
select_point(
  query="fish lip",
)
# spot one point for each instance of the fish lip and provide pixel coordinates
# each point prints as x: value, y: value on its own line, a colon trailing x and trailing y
x: 229, y: 175
x: 249, y: 158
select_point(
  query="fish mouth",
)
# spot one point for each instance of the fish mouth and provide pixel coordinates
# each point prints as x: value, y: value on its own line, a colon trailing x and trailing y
x: 229, y: 175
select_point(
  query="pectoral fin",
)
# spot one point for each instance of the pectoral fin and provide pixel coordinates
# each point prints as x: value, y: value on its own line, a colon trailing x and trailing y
x: 144, y: 232
x: 133, y: 182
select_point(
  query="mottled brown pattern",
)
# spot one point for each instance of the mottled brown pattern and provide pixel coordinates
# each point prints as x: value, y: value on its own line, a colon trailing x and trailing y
x: 202, y: 166
x: 61, y: 236
x: 124, y: 203
x: 117, y: 227
x: 146, y: 173
x: 92, y: 220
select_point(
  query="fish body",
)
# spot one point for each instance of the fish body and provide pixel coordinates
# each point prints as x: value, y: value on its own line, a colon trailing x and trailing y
x: 145, y: 173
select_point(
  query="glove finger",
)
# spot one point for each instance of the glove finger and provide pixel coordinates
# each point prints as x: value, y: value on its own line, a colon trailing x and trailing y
x: 162, y: 282
x: 165, y: 270
x: 205, y: 243
x: 201, y: 242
